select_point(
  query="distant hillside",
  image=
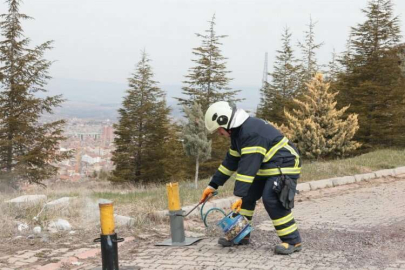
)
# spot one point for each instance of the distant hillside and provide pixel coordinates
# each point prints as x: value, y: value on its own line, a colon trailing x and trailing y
x: 91, y: 99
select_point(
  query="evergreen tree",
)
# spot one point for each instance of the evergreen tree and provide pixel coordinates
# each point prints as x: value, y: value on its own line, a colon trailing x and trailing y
x: 28, y: 148
x: 272, y: 104
x: 195, y: 141
x: 372, y: 83
x: 142, y: 130
x: 284, y: 83
x: 267, y: 106
x: 309, y: 64
x: 317, y: 126
x: 285, y: 76
x: 401, y: 56
x: 345, y: 60
x: 398, y: 113
x: 207, y: 82
x: 177, y: 165
x: 333, y: 68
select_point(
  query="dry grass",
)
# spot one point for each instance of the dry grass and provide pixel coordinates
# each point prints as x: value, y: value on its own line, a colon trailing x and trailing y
x: 140, y: 202
x: 377, y: 160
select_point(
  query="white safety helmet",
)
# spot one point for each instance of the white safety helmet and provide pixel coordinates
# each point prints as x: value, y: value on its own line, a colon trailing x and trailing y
x: 218, y: 115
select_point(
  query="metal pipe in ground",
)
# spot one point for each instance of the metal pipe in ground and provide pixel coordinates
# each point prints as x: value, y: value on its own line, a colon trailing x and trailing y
x: 177, y: 233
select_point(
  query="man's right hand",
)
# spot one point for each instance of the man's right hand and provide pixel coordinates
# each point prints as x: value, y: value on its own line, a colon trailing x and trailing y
x: 236, y: 206
x: 207, y: 192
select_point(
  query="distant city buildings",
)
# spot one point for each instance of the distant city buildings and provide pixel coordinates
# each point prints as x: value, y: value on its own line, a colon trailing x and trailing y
x: 92, y: 144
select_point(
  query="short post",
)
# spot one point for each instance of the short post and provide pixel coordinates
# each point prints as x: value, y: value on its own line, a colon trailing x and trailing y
x: 108, y: 237
x: 177, y: 233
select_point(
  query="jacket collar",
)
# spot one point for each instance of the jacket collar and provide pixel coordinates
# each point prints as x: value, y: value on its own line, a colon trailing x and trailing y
x: 235, y: 131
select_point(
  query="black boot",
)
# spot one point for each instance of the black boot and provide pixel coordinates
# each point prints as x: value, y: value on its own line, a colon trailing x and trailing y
x: 287, y: 249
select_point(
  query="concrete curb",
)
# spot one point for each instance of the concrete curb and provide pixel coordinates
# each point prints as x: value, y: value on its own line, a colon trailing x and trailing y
x: 302, y: 187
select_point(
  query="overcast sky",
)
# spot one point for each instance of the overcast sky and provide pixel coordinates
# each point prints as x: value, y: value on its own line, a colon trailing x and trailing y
x: 101, y: 40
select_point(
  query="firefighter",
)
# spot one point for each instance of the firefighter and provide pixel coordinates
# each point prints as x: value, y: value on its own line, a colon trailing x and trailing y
x: 267, y: 166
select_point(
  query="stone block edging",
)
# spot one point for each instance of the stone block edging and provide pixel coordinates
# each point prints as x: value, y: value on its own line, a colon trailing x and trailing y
x: 344, y: 180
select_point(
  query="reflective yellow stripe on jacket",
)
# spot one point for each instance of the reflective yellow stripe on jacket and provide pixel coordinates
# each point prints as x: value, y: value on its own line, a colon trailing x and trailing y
x: 244, y: 178
x: 234, y: 153
x: 225, y: 171
x: 293, y: 152
x: 275, y: 148
x: 267, y: 156
x: 245, y: 212
x: 253, y: 150
x: 276, y: 171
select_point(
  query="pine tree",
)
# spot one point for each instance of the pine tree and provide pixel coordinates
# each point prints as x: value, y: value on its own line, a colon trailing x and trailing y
x: 272, y: 104
x: 317, y: 126
x: 177, y: 165
x: 28, y: 148
x: 333, y: 68
x: 267, y: 105
x: 372, y: 82
x: 285, y: 76
x: 207, y: 82
x: 346, y: 58
x: 398, y: 114
x: 401, y: 56
x: 284, y: 83
x: 142, y: 130
x: 195, y: 141
x: 309, y: 64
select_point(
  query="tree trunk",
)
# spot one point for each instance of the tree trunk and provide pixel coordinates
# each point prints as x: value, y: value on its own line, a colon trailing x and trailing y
x: 196, y: 173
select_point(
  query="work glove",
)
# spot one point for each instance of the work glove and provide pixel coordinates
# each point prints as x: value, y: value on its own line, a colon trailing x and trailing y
x: 288, y: 191
x: 236, y: 206
x: 207, y: 192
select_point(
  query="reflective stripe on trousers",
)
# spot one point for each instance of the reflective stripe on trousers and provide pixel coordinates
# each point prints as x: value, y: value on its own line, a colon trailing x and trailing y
x: 283, y: 220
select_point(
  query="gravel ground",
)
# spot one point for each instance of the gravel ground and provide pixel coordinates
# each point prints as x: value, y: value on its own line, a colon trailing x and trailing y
x: 365, y: 223
x: 377, y: 247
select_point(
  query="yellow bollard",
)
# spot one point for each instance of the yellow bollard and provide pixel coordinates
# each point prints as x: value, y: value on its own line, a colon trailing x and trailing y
x: 178, y: 237
x: 173, y: 196
x: 107, y: 218
x: 108, y: 238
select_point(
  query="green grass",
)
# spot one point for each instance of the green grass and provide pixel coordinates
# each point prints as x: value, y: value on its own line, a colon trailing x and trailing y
x: 373, y: 161
x: 54, y: 196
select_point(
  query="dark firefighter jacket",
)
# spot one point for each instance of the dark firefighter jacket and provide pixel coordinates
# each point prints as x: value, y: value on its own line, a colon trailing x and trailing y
x: 257, y: 149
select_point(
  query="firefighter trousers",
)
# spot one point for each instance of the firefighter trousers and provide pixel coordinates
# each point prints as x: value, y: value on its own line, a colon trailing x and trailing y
x: 283, y: 220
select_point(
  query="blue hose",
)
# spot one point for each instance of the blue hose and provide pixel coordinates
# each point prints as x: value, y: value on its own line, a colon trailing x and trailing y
x: 204, y: 217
